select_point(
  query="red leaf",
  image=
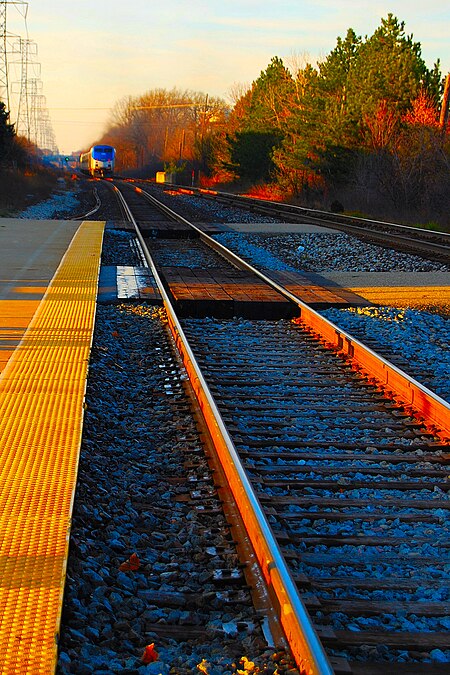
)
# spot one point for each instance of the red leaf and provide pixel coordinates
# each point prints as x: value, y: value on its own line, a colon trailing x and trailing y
x: 132, y: 564
x: 150, y: 654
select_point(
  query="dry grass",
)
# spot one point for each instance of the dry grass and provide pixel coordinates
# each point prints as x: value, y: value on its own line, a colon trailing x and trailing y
x: 17, y: 190
x: 270, y: 192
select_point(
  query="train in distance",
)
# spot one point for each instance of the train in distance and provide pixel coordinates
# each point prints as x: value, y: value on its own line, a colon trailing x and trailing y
x: 98, y: 161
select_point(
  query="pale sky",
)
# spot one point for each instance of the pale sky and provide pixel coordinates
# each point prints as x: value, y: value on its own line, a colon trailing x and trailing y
x: 95, y: 52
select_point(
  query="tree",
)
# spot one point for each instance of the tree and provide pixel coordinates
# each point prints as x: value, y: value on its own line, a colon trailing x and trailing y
x: 7, y: 135
x: 272, y: 97
x: 163, y: 127
x: 259, y: 122
x: 420, y: 164
x: 314, y: 137
x: 353, y: 104
x: 389, y: 69
x: 251, y: 154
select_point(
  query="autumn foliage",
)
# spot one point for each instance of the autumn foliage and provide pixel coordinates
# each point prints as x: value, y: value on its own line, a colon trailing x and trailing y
x: 361, y: 127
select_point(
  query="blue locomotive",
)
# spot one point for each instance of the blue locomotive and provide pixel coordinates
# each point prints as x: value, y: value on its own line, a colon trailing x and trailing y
x: 98, y: 161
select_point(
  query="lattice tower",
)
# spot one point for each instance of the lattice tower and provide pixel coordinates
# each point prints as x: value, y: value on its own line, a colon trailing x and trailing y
x: 4, y: 86
x: 32, y: 119
x: 26, y: 119
x: 5, y: 38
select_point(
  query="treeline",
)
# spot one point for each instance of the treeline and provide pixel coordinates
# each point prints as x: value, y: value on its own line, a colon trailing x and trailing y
x: 173, y: 130
x: 23, y: 179
x: 362, y: 130
x: 17, y: 153
x: 13, y: 152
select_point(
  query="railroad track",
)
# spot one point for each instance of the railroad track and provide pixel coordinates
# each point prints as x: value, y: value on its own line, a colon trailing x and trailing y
x: 355, y: 490
x: 348, y: 488
x: 427, y: 243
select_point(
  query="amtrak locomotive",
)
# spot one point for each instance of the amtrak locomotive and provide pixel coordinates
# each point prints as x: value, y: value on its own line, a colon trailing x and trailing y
x: 99, y: 161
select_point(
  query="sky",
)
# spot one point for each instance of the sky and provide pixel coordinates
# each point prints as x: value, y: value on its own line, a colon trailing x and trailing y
x: 95, y: 52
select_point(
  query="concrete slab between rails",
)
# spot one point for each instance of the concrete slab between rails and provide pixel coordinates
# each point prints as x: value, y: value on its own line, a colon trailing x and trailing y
x: 315, y: 290
x: 124, y: 283
x: 398, y: 289
x: 30, y: 252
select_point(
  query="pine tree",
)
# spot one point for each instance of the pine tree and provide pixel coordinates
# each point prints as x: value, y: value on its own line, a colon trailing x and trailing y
x: 272, y: 98
x: 354, y: 103
x: 388, y: 73
x: 7, y: 134
x: 259, y: 122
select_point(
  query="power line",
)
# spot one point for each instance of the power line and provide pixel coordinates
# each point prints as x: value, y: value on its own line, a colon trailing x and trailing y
x: 92, y: 108
x: 32, y: 117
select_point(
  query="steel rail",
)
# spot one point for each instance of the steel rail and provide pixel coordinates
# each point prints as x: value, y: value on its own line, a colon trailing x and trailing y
x: 325, y: 216
x: 306, y: 648
x: 410, y: 237
x: 428, y: 406
x: 98, y: 204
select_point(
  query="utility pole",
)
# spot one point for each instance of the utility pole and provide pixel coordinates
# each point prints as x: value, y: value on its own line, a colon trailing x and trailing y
x: 182, y: 141
x: 202, y: 134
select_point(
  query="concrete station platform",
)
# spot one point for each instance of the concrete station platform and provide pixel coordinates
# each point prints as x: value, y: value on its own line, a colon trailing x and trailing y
x: 53, y: 268
x: 30, y: 252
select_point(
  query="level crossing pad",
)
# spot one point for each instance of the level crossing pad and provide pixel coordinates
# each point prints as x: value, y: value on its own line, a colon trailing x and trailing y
x: 42, y: 393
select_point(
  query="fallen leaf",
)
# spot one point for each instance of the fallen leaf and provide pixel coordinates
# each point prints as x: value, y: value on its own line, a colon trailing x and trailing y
x: 132, y: 564
x: 203, y: 666
x: 248, y: 665
x: 150, y: 654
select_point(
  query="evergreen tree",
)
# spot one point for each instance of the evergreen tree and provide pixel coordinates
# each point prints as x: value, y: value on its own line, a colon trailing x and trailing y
x: 7, y: 134
x: 303, y: 138
x: 259, y: 121
x: 389, y: 72
x: 272, y: 98
x: 251, y: 154
x: 354, y: 102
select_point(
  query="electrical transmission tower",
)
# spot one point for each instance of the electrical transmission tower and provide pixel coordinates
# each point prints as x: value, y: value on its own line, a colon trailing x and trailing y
x: 4, y: 87
x: 25, y: 48
x: 24, y: 95
x: 5, y: 38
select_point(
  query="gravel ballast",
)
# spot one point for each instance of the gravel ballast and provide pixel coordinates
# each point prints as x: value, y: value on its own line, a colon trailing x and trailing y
x: 132, y: 455
x: 419, y: 336
x: 138, y: 435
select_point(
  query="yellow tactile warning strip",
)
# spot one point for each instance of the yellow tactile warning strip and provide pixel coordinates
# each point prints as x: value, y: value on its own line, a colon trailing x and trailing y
x: 406, y: 295
x: 41, y: 411
x: 15, y: 315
